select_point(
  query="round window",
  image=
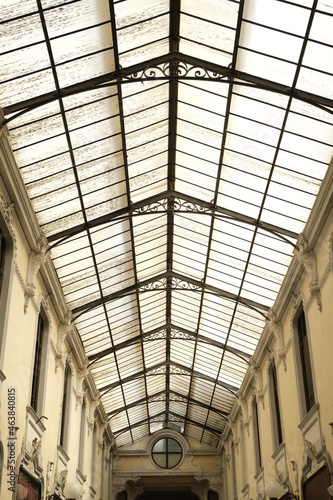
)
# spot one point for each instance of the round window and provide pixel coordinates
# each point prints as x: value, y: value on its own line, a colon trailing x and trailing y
x: 167, y: 453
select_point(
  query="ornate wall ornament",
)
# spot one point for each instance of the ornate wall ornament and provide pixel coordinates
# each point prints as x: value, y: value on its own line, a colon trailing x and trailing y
x: 7, y: 212
x: 49, y: 471
x: 309, y: 261
x: 59, y: 347
x: 330, y: 251
x: 242, y: 403
x: 227, y: 452
x: 294, y: 469
x: 61, y: 479
x: 92, y: 416
x: 275, y: 327
x: 200, y: 488
x: 35, y: 449
x: 258, y: 385
x: 79, y: 391
x: 36, y: 260
x: 311, y: 452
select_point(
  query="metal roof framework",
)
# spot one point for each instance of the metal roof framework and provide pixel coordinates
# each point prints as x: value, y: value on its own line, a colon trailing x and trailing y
x: 172, y: 151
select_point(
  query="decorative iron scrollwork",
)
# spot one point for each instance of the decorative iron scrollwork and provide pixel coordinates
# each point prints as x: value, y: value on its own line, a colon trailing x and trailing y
x: 176, y: 68
x: 161, y: 370
x: 160, y: 397
x: 175, y: 284
x: 153, y: 207
x: 176, y: 334
x: 160, y: 284
x: 172, y: 204
x: 156, y: 336
x: 176, y: 370
x: 175, y: 397
x: 180, y: 284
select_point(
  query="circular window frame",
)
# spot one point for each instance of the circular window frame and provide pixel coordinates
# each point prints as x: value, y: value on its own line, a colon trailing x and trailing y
x: 167, y: 452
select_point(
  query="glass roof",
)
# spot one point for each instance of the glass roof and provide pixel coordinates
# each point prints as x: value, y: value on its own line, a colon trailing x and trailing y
x: 172, y: 151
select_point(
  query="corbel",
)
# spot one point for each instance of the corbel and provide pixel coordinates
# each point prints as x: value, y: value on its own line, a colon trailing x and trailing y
x: 308, y: 259
x: 36, y: 260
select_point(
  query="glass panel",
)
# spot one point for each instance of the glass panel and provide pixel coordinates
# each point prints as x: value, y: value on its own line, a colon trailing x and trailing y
x: 173, y: 459
x: 160, y: 446
x: 160, y: 460
x: 173, y: 446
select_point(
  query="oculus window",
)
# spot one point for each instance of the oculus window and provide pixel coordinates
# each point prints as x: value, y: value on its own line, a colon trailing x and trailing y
x: 167, y: 453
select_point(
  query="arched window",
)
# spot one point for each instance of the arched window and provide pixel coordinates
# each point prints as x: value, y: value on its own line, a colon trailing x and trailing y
x: 275, y: 406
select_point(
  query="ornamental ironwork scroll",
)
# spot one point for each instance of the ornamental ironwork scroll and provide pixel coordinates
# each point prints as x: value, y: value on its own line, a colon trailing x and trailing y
x: 173, y: 204
x: 176, y: 68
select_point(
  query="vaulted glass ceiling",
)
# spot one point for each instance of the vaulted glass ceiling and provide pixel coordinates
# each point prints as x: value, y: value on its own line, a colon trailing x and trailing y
x: 172, y: 151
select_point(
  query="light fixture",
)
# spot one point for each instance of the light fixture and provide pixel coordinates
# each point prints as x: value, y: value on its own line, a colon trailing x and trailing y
x: 273, y: 489
x: 72, y: 491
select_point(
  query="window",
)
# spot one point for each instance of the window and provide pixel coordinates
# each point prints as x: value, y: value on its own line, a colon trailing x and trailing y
x: 94, y: 469
x: 2, y: 258
x: 39, y: 368
x: 304, y: 356
x: 82, y: 435
x: 233, y: 470
x: 256, y: 434
x: 6, y: 254
x: 28, y: 487
x: 64, y: 429
x: 167, y: 453
x: 275, y: 406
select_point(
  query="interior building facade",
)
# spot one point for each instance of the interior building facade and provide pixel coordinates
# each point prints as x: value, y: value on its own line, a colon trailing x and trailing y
x: 166, y: 250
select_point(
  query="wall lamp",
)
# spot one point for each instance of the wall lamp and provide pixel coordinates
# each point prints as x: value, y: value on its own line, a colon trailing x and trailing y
x: 72, y: 491
x: 274, y: 490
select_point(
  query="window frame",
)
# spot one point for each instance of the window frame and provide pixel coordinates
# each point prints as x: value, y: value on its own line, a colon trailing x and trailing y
x: 166, y: 453
x: 65, y: 410
x: 305, y: 407
x: 256, y: 435
x: 306, y: 367
x: 6, y: 281
x: 39, y: 372
x: 277, y: 432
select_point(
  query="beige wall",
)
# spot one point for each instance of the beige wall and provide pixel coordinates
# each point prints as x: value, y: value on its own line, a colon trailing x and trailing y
x: 27, y: 294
